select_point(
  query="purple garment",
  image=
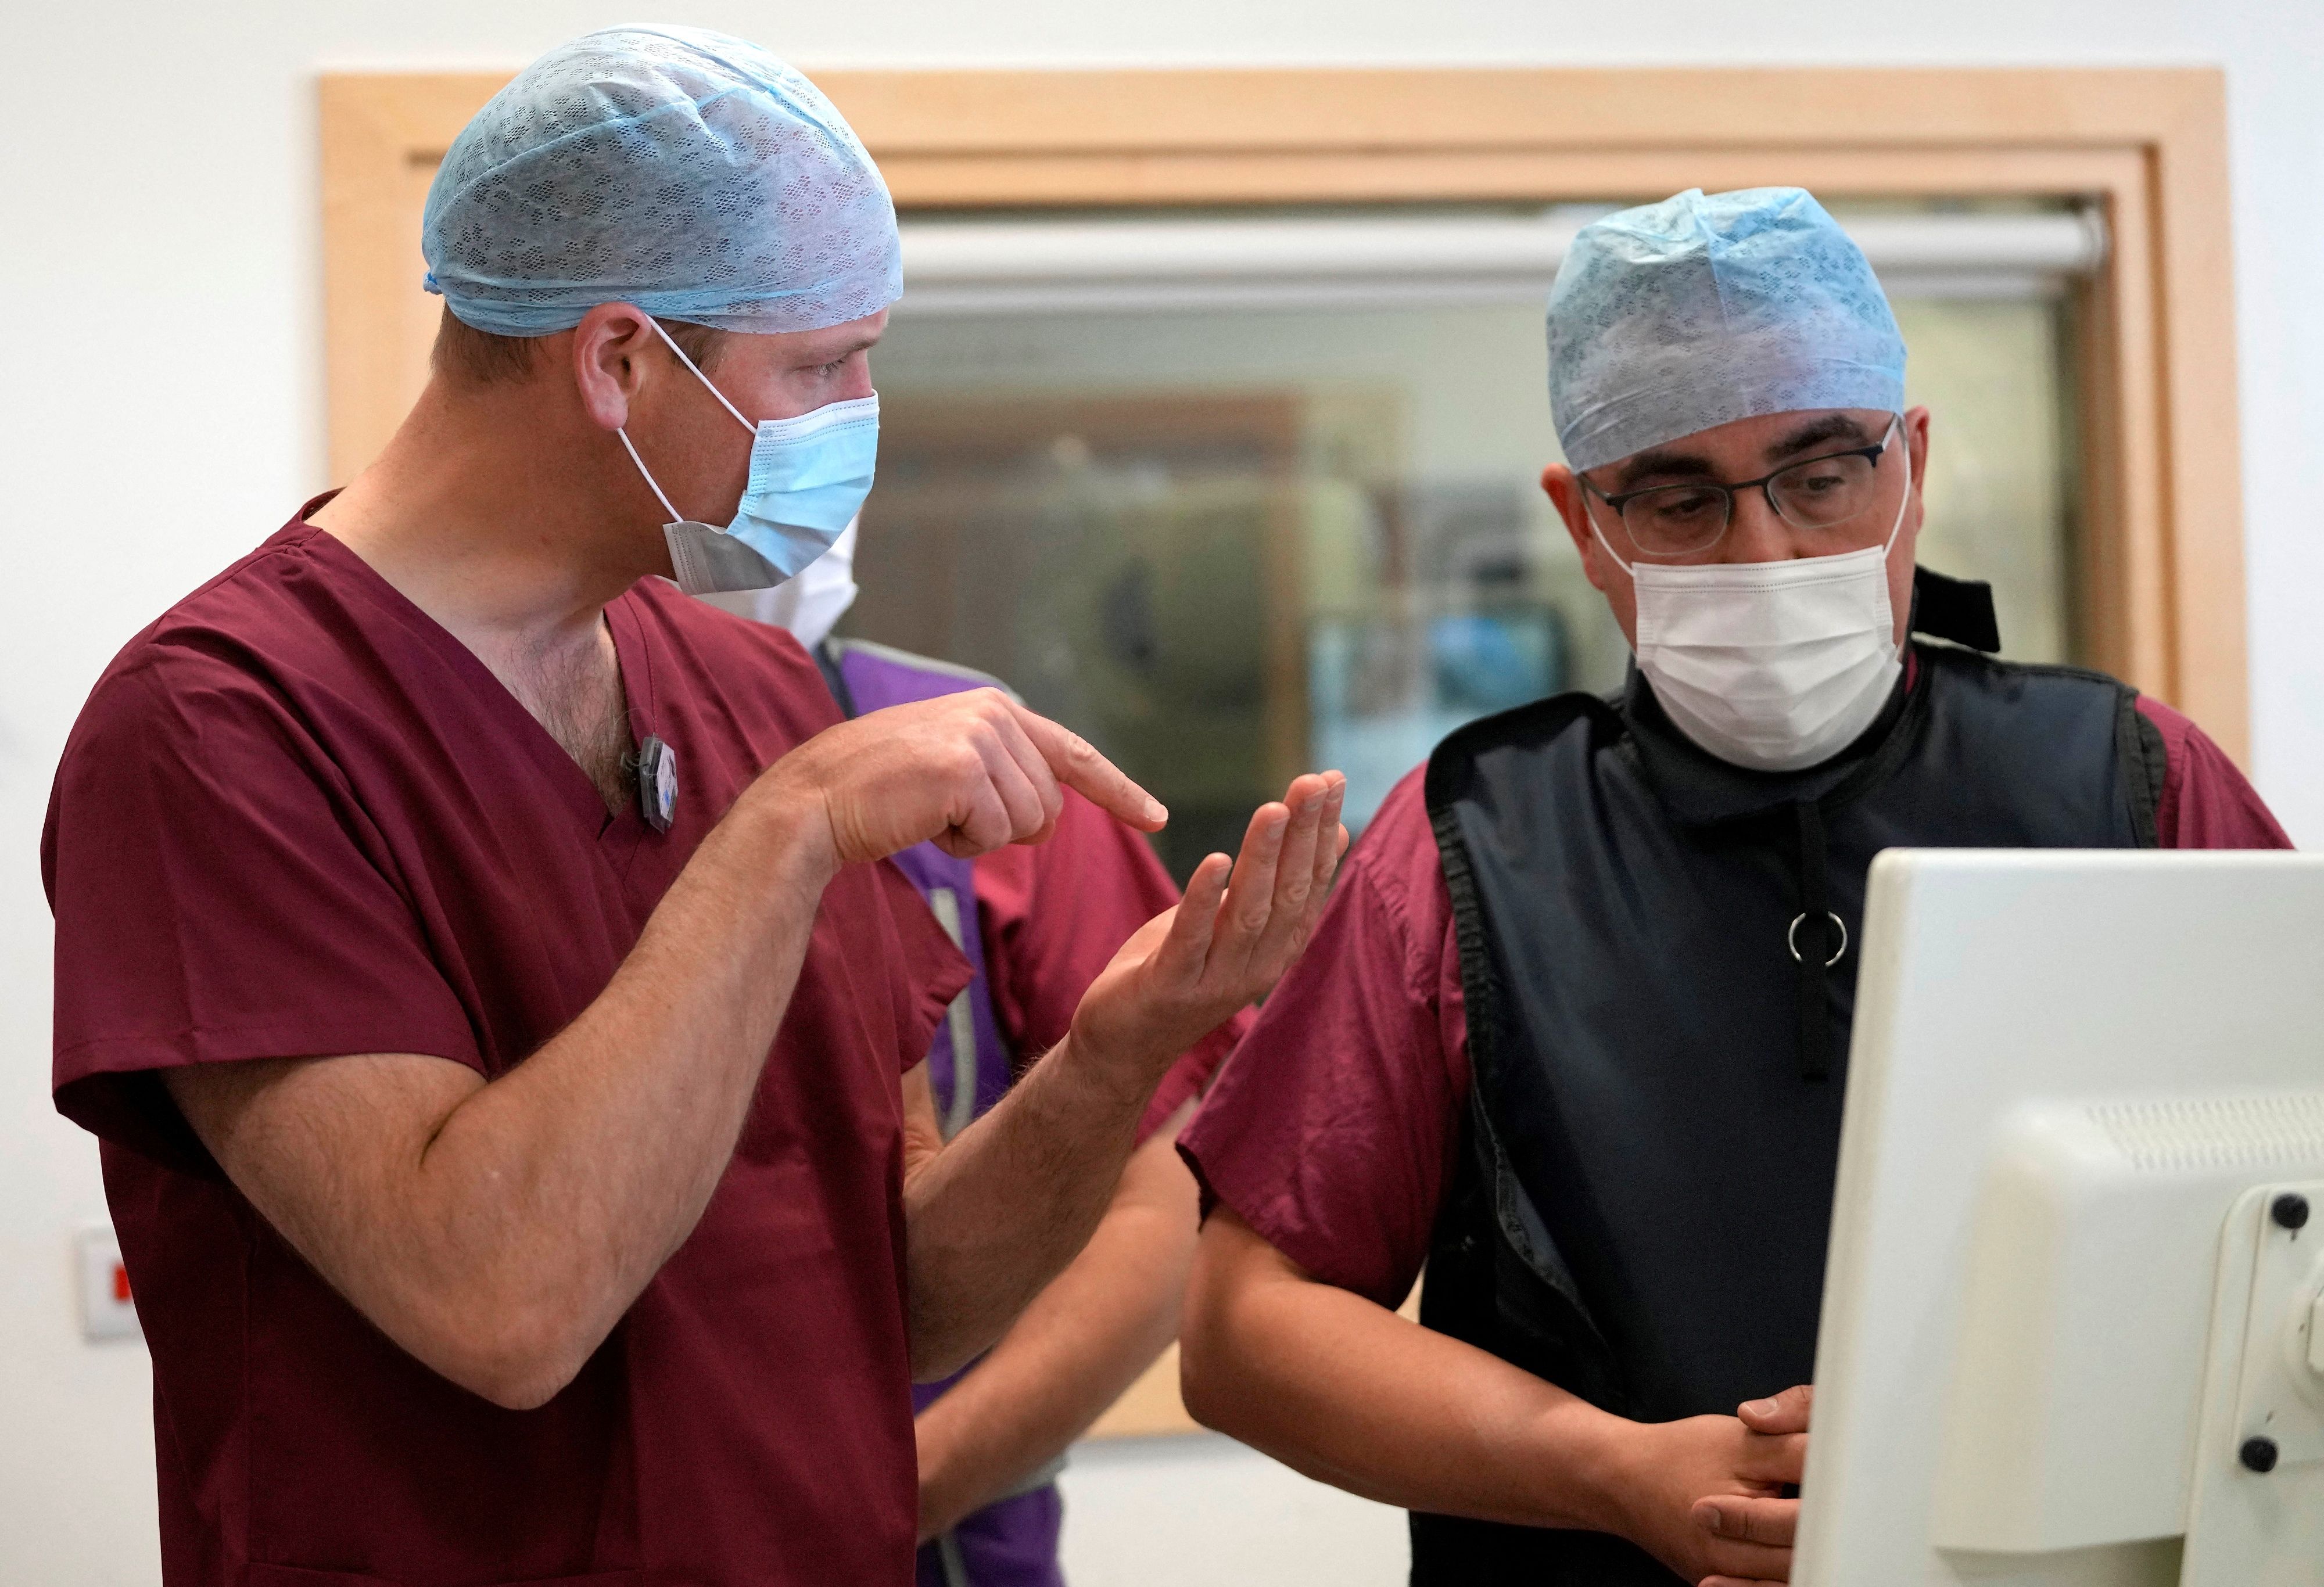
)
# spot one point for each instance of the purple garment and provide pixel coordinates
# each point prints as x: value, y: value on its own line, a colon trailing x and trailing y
x: 876, y: 678
x: 1011, y: 1542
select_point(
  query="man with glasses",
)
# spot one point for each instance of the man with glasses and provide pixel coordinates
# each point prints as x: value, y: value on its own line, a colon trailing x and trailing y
x: 1575, y: 1027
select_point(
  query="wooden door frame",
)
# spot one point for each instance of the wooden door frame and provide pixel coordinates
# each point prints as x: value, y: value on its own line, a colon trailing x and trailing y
x: 2161, y: 570
x: 2160, y: 594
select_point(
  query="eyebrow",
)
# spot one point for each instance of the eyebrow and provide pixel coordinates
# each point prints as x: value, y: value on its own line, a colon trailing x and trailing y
x: 847, y: 350
x: 1816, y: 432
x: 1656, y: 463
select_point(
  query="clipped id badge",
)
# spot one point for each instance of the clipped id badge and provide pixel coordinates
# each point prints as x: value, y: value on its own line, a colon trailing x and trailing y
x: 657, y: 782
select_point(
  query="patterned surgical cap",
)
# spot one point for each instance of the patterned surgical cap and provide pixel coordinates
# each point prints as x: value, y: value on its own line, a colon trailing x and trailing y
x: 1675, y: 316
x: 692, y: 174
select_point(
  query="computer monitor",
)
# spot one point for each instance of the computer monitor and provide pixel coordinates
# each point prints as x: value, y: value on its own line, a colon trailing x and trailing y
x: 2071, y: 1328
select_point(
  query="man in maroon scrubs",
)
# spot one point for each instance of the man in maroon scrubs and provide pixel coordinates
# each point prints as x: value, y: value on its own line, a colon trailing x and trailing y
x: 479, y: 960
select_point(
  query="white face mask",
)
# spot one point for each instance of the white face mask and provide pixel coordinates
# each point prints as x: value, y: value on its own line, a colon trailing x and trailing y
x: 1774, y: 666
x: 811, y: 604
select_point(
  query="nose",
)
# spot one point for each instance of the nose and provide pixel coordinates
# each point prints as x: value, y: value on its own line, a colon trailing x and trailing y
x: 1756, y: 533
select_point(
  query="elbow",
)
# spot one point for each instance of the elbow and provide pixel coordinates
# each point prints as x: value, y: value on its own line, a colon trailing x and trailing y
x: 936, y: 1351
x: 517, y: 1358
x: 1198, y: 1390
x: 1205, y: 1384
x: 1220, y: 1380
x: 1206, y: 1366
x: 515, y: 1384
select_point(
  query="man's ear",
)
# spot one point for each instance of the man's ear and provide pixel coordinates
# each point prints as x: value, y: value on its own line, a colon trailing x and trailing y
x: 1917, y: 440
x: 1564, y: 492
x: 610, y: 346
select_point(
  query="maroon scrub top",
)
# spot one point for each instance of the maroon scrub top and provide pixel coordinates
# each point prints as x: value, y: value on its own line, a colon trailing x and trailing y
x: 297, y: 817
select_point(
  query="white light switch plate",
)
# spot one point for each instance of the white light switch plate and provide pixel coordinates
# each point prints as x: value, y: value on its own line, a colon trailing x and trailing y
x: 106, y: 1311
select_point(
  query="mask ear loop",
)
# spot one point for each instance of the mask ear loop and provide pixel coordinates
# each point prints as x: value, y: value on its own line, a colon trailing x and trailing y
x: 1896, y: 431
x: 1586, y: 487
x: 1896, y: 428
x: 704, y: 379
x: 651, y: 484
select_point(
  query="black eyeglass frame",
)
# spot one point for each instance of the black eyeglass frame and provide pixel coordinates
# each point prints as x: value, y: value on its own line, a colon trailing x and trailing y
x: 1763, y: 484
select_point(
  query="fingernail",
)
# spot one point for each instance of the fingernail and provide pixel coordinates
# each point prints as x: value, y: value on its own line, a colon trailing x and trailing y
x: 1154, y: 811
x: 1761, y: 1407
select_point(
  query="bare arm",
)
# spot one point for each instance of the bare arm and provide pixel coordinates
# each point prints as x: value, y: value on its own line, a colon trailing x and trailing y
x: 999, y: 1211
x: 1353, y: 1395
x: 498, y: 1232
x: 1083, y: 1340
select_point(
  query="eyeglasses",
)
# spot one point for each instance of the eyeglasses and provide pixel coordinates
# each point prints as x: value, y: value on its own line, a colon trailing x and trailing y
x: 1813, y: 493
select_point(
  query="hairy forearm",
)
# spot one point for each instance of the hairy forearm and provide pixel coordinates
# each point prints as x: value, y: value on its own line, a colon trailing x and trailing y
x: 1001, y: 1210
x: 1083, y: 1340
x: 572, y: 1180
x: 499, y: 1230
x: 1349, y: 1393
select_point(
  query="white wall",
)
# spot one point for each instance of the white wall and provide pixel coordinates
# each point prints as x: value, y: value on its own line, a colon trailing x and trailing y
x: 161, y: 411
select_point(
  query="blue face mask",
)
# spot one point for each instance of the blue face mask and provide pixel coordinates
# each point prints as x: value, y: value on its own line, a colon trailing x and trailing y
x: 809, y: 479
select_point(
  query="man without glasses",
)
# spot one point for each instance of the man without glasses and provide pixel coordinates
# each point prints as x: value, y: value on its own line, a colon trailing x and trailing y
x: 480, y: 960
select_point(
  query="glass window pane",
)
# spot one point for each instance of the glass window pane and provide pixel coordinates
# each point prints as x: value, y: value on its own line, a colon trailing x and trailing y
x: 1230, y: 544
x: 1992, y: 374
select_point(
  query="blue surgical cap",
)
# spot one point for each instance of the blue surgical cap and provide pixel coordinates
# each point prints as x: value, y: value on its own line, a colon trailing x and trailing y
x: 1671, y: 317
x: 692, y: 174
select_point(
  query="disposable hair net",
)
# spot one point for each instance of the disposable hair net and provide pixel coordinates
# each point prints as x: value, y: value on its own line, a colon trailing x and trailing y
x: 1675, y: 316
x: 688, y: 172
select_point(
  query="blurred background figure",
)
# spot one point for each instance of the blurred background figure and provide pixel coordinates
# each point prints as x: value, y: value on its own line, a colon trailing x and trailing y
x: 1037, y: 924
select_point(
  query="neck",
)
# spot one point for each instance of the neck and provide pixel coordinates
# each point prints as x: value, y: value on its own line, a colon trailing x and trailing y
x: 506, y: 524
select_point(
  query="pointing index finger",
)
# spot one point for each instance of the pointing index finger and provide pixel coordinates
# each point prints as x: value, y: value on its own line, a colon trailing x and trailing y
x: 1077, y: 764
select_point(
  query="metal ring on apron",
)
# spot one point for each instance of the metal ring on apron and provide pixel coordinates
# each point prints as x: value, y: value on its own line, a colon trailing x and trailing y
x: 1792, y: 938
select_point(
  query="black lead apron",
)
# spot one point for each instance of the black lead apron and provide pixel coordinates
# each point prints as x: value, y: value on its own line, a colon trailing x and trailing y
x: 1640, y: 1210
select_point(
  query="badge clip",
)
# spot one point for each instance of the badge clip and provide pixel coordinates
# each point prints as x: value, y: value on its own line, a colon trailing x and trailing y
x: 657, y: 782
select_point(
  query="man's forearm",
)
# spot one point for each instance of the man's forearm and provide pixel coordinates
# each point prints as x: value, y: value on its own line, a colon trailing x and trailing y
x: 499, y: 1230
x: 579, y: 1174
x: 1352, y: 1394
x: 1080, y: 1342
x: 1001, y: 1210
